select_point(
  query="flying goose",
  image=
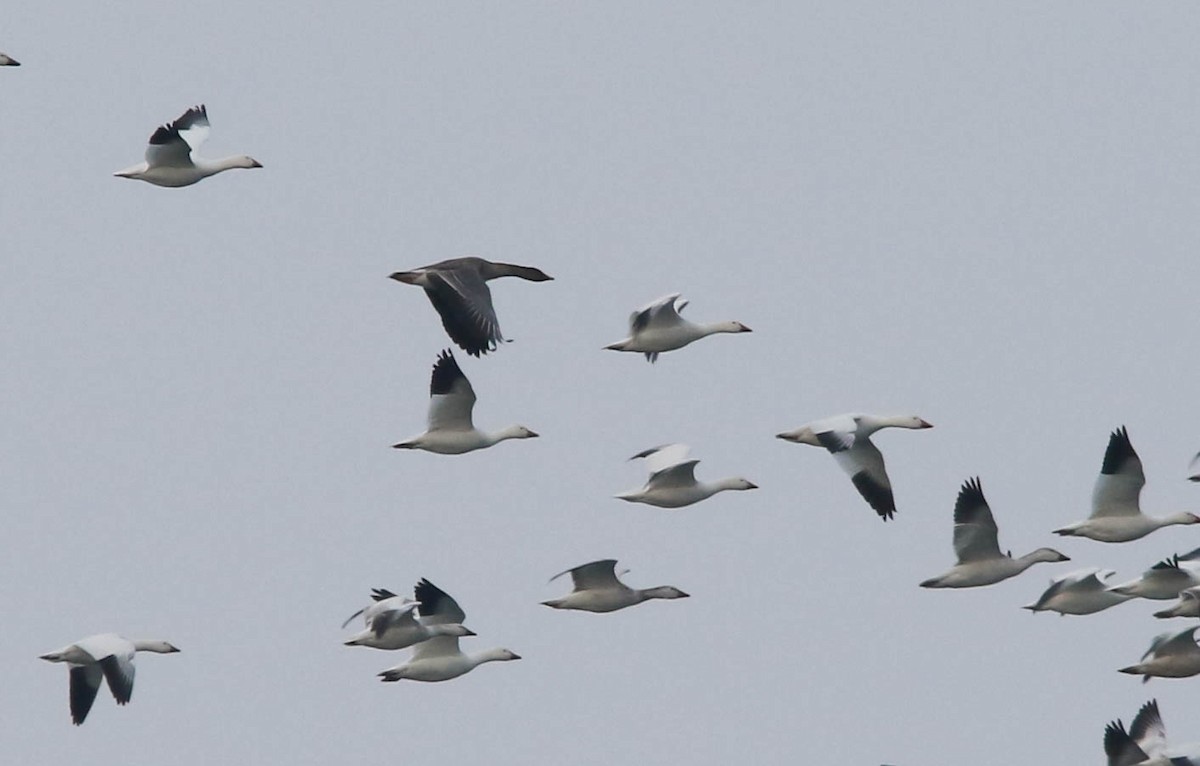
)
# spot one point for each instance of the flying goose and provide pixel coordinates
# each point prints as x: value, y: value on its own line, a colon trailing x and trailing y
x: 1146, y: 737
x: 439, y: 658
x: 658, y: 327
x: 847, y: 437
x: 104, y: 655
x: 1080, y: 592
x: 1116, y: 516
x: 1166, y: 579
x: 6, y: 60
x: 171, y: 158
x: 597, y: 589
x: 672, y: 482
x: 391, y: 624
x: 451, y: 401
x: 1172, y: 655
x: 1188, y: 606
x: 980, y: 561
x: 458, y: 289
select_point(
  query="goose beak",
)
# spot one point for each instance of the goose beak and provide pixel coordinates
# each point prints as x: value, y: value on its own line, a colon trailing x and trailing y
x: 926, y: 424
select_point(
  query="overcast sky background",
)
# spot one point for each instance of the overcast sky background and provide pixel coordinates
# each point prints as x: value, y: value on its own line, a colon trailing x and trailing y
x: 985, y: 215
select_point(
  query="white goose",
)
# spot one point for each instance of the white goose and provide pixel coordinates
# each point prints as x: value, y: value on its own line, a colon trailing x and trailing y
x: 1166, y: 579
x: 672, y: 482
x: 1188, y: 606
x: 597, y: 589
x: 171, y: 159
x: 439, y: 658
x: 1116, y: 514
x: 847, y: 437
x: 458, y: 289
x: 107, y: 656
x: 1171, y: 655
x: 1146, y: 737
x: 658, y: 327
x: 6, y: 60
x: 451, y: 402
x: 392, y: 625
x: 1080, y: 592
x: 980, y: 561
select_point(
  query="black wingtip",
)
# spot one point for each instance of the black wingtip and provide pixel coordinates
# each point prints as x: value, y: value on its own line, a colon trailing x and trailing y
x: 1119, y: 450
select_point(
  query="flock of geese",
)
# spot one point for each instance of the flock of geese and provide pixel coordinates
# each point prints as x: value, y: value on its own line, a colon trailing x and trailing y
x: 432, y: 622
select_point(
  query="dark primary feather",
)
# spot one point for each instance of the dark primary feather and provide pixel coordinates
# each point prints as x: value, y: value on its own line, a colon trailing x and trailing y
x: 119, y: 684
x: 1119, y: 452
x: 1147, y: 718
x: 430, y: 597
x: 1119, y: 746
x: 380, y: 594
x: 446, y: 373
x: 85, y: 682
x: 971, y: 507
x: 878, y: 496
x: 833, y: 441
x: 165, y: 134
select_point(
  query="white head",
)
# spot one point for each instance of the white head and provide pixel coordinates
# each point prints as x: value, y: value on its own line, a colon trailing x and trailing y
x: 161, y: 647
x: 1183, y: 518
x: 1047, y: 554
x: 518, y: 432
x: 739, y: 483
x: 499, y: 655
x: 910, y: 421
x: 664, y: 591
x: 731, y: 327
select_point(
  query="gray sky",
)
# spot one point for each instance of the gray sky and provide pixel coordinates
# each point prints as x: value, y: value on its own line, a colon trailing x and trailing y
x: 982, y: 215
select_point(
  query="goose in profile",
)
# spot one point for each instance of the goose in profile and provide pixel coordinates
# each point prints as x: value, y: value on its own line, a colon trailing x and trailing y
x: 6, y: 60
x: 672, y: 482
x: 391, y: 623
x: 597, y: 589
x: 1116, y: 514
x: 1171, y: 655
x: 1188, y: 606
x: 658, y: 327
x: 1166, y: 579
x: 171, y: 159
x: 1080, y: 592
x: 1146, y: 737
x: 451, y: 402
x: 458, y: 289
x: 980, y: 561
x: 847, y: 437
x: 439, y: 658
x: 107, y: 656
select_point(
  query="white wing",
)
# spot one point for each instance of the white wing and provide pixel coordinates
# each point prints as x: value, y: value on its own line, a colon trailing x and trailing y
x: 1120, y: 481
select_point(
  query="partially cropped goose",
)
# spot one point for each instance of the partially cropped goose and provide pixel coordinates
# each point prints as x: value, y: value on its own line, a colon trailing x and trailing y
x: 1146, y: 737
x: 1116, y: 514
x: 672, y: 482
x: 1166, y: 579
x: 1171, y: 655
x: 597, y: 589
x: 1188, y: 606
x: 171, y: 158
x: 6, y: 60
x: 847, y: 437
x: 391, y: 623
x: 451, y: 402
x: 107, y: 656
x: 1080, y: 592
x: 980, y: 561
x: 658, y: 327
x: 458, y: 289
x: 439, y: 658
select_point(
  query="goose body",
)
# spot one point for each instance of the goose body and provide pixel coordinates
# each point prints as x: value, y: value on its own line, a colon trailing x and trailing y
x: 451, y: 430
x: 458, y: 290
x: 597, y: 589
x: 672, y: 482
x: 171, y: 159
x: 658, y: 327
x: 1171, y: 655
x: 847, y: 438
x: 439, y: 658
x: 103, y: 656
x: 980, y: 561
x: 391, y: 624
x: 1166, y: 579
x: 1080, y: 592
x: 1188, y: 606
x: 1116, y: 511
